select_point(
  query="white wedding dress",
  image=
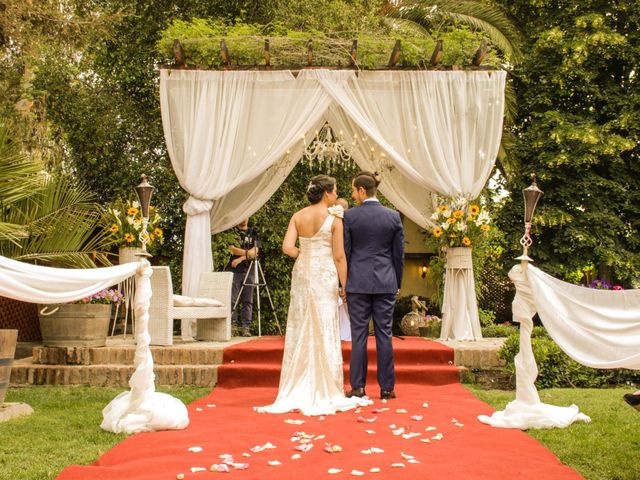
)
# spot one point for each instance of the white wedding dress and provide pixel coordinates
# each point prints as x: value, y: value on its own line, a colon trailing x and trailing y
x: 311, y: 379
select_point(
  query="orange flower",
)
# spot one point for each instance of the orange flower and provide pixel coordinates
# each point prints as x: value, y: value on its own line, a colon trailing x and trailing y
x: 132, y: 211
x: 129, y: 238
x: 466, y: 241
x: 437, y: 232
x: 474, y: 209
x: 484, y: 227
x: 457, y: 214
x: 114, y: 228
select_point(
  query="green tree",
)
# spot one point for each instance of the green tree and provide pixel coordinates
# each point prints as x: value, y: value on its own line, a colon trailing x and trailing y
x: 578, y: 129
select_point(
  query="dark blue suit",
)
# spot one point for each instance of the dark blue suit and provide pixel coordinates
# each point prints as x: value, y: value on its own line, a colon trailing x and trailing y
x: 374, y: 244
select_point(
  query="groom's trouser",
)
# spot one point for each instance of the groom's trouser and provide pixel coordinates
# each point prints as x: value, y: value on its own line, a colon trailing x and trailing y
x: 379, y: 307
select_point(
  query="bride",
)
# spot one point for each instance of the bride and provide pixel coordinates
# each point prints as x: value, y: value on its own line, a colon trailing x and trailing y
x: 311, y: 378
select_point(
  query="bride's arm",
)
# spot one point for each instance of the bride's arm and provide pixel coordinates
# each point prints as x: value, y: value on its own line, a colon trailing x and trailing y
x: 289, y: 242
x: 339, y: 257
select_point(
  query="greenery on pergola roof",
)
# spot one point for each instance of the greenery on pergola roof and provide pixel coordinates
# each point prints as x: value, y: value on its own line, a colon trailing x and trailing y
x: 201, y: 41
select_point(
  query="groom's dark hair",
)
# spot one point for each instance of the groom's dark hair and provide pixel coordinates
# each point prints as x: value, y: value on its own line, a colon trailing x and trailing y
x: 367, y: 180
x: 318, y: 185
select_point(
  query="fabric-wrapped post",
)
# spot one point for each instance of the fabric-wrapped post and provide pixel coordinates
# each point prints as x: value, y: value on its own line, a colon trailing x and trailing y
x: 460, y: 319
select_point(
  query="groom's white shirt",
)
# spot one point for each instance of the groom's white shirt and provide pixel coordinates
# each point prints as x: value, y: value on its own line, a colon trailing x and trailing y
x: 370, y: 200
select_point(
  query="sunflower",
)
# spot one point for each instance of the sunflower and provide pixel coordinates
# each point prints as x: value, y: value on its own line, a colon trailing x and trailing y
x: 157, y: 232
x: 457, y: 214
x: 114, y: 228
x: 129, y: 238
x: 437, y: 232
x: 442, y: 208
x: 466, y: 241
x: 474, y: 209
x: 451, y: 220
x: 453, y: 235
x: 484, y: 227
x: 132, y: 211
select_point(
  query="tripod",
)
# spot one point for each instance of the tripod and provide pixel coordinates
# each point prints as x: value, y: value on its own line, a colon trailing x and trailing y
x: 258, y: 275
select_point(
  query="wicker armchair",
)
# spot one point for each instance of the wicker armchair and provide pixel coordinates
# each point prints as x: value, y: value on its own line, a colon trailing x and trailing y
x: 214, y: 323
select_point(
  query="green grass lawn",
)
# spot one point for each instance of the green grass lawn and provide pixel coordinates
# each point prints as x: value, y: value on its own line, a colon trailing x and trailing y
x: 64, y: 430
x: 601, y: 450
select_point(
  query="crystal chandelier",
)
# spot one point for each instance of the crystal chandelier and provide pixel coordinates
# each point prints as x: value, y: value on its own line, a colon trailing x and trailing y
x: 328, y: 149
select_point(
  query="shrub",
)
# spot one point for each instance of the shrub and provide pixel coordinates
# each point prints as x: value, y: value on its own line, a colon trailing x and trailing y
x: 557, y: 370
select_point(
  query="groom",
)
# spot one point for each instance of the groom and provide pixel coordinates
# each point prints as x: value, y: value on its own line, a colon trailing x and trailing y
x: 374, y: 245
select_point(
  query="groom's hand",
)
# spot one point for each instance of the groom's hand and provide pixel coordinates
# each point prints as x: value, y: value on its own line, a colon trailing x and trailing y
x: 343, y: 294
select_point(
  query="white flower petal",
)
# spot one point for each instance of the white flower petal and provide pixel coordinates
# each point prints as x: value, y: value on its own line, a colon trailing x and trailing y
x: 425, y: 404
x: 417, y: 418
x: 397, y: 465
x: 376, y: 450
x: 220, y: 467
x: 430, y: 429
x: 274, y: 463
x: 197, y: 469
x: 296, y: 456
x: 366, y: 452
x: 374, y: 470
x: 334, y: 470
x: 357, y: 473
x: 294, y: 422
x: 425, y: 440
x: 370, y: 432
x: 195, y: 449
x: 401, y: 410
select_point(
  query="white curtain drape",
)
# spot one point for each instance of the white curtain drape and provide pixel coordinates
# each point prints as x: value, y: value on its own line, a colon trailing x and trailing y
x: 225, y: 129
x: 141, y: 409
x: 228, y: 134
x: 597, y: 328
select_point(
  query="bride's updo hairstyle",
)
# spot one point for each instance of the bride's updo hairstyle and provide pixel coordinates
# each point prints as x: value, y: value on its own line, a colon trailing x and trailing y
x: 318, y: 185
x: 367, y: 180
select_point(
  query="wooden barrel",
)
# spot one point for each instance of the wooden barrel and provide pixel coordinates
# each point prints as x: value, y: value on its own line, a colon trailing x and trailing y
x: 74, y: 325
x: 8, y: 340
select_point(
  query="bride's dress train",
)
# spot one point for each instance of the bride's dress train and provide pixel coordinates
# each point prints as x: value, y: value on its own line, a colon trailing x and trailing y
x: 311, y: 379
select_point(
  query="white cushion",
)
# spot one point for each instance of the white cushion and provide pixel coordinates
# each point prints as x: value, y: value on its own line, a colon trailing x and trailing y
x: 183, y: 301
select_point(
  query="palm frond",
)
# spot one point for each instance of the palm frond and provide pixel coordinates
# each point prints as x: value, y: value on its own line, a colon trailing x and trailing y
x: 483, y: 17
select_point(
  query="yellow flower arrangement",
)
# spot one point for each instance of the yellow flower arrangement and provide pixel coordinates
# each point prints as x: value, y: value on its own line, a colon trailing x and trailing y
x: 124, y: 220
x: 459, y: 223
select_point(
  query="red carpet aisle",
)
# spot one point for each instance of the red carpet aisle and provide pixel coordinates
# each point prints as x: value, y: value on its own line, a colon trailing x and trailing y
x: 429, y: 432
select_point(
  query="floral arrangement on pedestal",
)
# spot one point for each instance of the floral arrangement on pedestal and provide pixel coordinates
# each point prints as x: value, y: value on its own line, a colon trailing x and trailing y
x: 459, y: 223
x: 124, y: 222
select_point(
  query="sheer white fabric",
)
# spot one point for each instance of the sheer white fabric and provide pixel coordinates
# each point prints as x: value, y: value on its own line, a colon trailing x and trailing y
x: 141, y: 409
x: 460, y: 319
x: 38, y: 284
x: 598, y: 327
x: 311, y: 378
x: 228, y: 134
x: 224, y: 129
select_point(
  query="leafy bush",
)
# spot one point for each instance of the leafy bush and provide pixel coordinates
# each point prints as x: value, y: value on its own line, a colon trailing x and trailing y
x: 556, y: 369
x: 500, y: 331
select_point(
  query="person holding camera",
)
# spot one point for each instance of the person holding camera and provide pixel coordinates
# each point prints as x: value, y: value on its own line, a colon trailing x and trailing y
x: 244, y: 249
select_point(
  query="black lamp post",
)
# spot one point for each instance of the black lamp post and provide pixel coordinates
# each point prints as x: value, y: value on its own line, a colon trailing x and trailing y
x: 144, y: 191
x: 531, y: 196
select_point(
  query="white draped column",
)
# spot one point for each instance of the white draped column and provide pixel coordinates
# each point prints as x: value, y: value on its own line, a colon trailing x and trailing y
x: 197, y: 257
x: 460, y: 320
x: 527, y: 411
